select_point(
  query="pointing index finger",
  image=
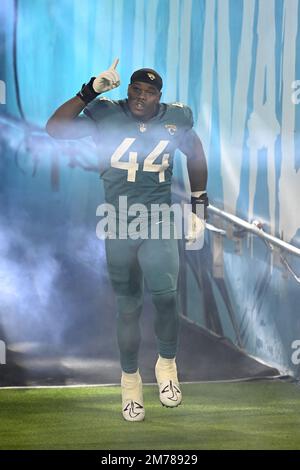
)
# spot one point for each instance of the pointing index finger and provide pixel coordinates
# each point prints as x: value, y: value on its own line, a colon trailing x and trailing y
x: 114, y: 64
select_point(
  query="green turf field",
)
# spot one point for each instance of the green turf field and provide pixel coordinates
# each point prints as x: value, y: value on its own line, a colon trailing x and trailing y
x: 244, y: 415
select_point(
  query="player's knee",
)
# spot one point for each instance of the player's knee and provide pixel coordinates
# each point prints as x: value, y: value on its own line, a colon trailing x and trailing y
x: 162, y: 283
x: 129, y: 306
x: 165, y: 301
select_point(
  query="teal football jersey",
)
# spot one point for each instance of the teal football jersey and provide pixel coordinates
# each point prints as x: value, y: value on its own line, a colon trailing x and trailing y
x: 136, y: 158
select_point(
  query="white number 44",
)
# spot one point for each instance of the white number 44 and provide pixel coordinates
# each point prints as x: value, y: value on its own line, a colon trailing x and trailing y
x: 131, y: 166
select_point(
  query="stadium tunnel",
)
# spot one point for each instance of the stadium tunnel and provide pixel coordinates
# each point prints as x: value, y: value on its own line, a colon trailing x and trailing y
x: 239, y: 294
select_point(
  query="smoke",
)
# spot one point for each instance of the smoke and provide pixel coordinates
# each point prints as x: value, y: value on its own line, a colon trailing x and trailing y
x: 27, y: 282
x: 34, y: 150
x: 53, y: 276
x: 50, y: 283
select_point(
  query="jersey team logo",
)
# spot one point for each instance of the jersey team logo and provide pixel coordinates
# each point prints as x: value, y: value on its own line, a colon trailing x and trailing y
x: 151, y: 76
x: 171, y: 128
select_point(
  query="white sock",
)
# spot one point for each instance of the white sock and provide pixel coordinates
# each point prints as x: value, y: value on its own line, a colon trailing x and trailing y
x: 163, y: 361
x: 128, y: 379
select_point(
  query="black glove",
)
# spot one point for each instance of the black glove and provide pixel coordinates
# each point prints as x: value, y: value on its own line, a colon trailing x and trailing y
x: 202, y: 201
x: 87, y: 92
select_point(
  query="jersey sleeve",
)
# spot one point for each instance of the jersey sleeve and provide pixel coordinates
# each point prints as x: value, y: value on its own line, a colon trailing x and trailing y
x: 182, y: 115
x: 188, y: 117
x: 97, y: 109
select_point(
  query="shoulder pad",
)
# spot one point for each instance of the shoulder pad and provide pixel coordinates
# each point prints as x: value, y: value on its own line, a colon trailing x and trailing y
x: 100, y: 108
x: 181, y: 113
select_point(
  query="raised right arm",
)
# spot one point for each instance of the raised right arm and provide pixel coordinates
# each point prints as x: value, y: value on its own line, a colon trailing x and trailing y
x: 66, y: 123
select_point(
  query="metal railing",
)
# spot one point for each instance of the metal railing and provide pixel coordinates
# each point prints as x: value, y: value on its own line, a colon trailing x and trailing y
x: 255, y: 228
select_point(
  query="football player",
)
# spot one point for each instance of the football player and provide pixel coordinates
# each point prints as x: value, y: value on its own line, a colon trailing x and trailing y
x: 136, y: 140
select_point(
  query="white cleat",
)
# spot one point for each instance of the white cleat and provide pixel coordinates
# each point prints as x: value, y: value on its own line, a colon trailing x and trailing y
x: 168, y: 384
x: 132, y: 397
